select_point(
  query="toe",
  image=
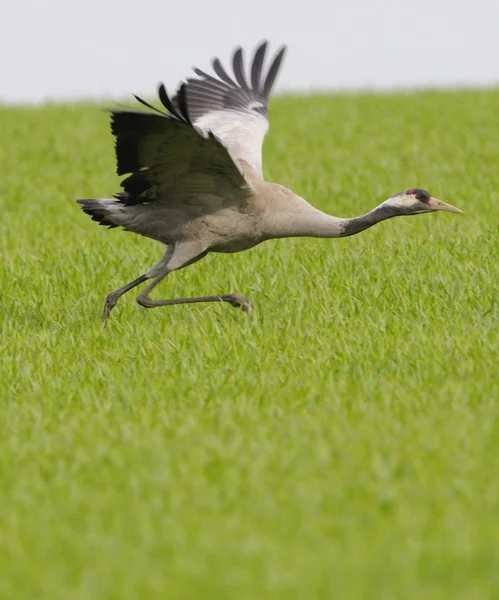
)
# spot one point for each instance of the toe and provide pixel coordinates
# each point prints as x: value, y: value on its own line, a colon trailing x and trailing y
x: 238, y: 301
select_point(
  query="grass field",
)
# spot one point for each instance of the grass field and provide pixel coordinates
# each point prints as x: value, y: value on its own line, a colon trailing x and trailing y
x: 342, y: 442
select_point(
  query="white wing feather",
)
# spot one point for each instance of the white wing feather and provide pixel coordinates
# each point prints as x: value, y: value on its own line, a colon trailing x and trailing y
x: 241, y: 133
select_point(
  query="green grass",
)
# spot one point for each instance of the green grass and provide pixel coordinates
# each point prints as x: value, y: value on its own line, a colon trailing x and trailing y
x: 342, y: 442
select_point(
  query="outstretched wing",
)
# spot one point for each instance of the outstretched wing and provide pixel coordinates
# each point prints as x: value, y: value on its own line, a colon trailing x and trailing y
x: 235, y: 109
x: 172, y: 161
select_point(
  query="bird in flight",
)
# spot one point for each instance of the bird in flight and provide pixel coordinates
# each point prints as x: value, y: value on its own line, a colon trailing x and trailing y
x: 194, y: 178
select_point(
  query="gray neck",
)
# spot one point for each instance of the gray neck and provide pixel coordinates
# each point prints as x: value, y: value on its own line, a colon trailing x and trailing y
x: 314, y: 223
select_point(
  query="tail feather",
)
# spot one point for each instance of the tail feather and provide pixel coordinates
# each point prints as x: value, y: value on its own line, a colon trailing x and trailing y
x: 98, y: 210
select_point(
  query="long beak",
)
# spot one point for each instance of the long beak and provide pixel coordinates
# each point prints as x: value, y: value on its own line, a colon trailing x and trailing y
x: 435, y: 204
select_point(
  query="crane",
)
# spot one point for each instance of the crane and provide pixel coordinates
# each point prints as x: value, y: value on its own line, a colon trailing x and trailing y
x: 194, y: 178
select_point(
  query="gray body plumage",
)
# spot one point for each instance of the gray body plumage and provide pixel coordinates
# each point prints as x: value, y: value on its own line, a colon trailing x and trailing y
x: 224, y: 223
x: 195, y: 178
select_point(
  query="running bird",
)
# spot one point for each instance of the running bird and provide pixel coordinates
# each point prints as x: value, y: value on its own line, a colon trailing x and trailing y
x: 195, y: 178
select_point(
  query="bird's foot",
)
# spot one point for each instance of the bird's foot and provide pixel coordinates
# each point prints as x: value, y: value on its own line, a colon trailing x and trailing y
x: 108, y: 306
x: 238, y: 301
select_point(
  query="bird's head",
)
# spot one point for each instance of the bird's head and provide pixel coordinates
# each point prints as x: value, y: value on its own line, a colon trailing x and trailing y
x: 416, y: 201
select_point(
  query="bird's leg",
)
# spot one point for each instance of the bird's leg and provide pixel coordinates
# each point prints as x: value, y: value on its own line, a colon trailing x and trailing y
x: 113, y: 297
x: 183, y: 256
x: 236, y: 300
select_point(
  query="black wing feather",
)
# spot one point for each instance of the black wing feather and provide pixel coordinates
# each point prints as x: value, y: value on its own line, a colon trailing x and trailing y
x: 220, y: 71
x: 272, y: 74
x: 142, y: 101
x: 213, y: 80
x: 182, y: 103
x: 126, y: 126
x: 256, y: 69
x: 167, y: 103
x: 238, y: 66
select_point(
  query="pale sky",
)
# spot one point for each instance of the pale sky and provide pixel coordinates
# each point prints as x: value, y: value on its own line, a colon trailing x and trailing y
x: 62, y: 49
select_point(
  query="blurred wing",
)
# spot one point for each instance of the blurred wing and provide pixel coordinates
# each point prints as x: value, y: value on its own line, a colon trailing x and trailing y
x: 170, y: 160
x: 234, y: 108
